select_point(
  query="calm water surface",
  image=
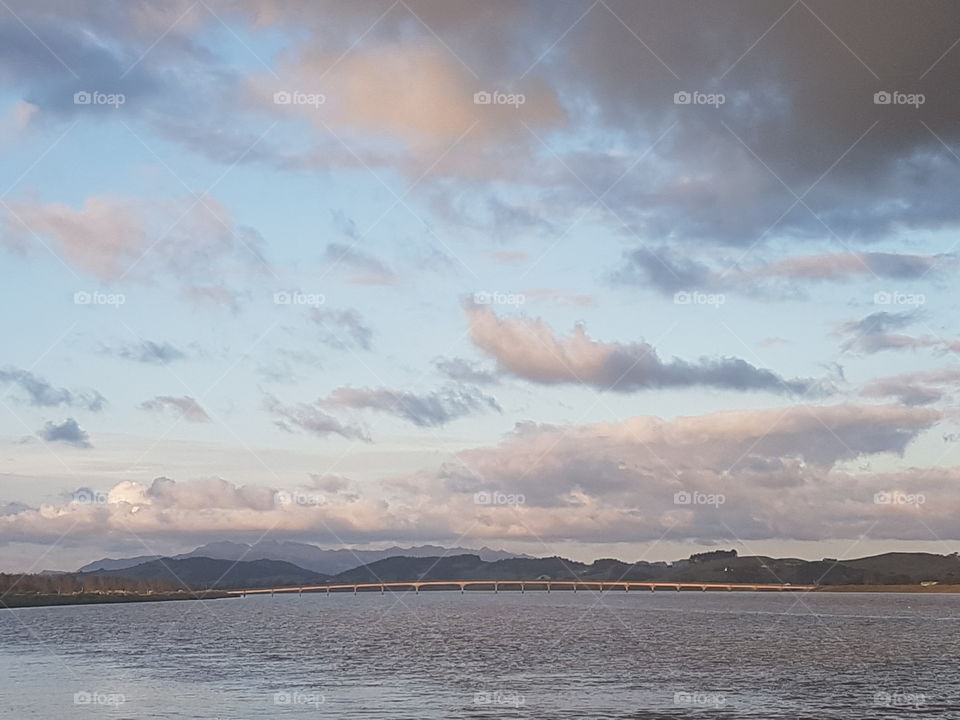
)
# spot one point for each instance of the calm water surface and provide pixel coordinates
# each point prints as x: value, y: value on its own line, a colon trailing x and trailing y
x: 480, y: 655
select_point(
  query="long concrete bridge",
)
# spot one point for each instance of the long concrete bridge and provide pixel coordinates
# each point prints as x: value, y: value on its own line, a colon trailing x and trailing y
x: 523, y: 586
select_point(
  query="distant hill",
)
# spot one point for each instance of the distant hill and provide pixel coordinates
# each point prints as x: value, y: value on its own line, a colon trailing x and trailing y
x: 717, y: 567
x: 209, y: 573
x: 117, y: 564
x: 889, y: 569
x: 309, y: 557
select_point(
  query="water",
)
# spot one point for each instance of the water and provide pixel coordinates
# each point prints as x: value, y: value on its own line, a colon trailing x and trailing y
x: 479, y: 655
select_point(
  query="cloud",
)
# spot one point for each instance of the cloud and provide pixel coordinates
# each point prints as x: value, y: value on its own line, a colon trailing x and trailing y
x: 782, y: 473
x: 425, y: 410
x: 148, y: 351
x: 186, y: 407
x: 41, y: 393
x: 342, y: 328
x: 366, y: 269
x: 68, y: 432
x: 802, y: 150
x: 527, y: 348
x: 465, y: 371
x: 370, y: 98
x: 874, y: 333
x: 313, y: 420
x: 669, y: 270
x: 118, y: 238
x: 915, y: 388
x: 17, y: 120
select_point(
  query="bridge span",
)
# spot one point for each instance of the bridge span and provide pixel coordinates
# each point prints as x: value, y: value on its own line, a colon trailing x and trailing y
x: 523, y: 586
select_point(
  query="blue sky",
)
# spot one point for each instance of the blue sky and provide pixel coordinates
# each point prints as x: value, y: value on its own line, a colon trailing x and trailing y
x: 588, y: 299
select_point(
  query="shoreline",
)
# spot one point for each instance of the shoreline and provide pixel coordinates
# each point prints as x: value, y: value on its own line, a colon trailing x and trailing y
x: 12, y: 602
x: 945, y: 588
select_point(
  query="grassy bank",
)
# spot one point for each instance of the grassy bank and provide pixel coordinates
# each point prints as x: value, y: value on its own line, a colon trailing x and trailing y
x: 22, y: 601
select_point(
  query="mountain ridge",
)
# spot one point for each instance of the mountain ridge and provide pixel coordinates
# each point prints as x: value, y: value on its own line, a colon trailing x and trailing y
x: 305, y: 555
x: 710, y: 567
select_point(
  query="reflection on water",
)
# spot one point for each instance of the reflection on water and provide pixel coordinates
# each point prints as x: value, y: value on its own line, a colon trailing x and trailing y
x: 479, y: 655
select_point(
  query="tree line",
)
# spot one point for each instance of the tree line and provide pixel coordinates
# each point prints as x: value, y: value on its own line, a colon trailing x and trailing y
x: 72, y: 584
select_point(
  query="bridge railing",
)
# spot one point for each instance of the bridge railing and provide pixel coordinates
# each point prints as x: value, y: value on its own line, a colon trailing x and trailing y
x: 523, y: 585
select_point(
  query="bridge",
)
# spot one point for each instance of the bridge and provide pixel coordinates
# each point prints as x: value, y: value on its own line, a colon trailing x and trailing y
x: 523, y: 586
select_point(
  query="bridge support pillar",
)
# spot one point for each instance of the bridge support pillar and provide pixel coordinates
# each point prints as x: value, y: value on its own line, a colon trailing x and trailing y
x: 461, y: 589
x: 496, y: 588
x: 271, y: 593
x: 522, y: 588
x: 548, y: 588
x: 381, y: 589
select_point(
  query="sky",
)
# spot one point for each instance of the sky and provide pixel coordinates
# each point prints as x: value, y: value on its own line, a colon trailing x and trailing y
x: 613, y: 278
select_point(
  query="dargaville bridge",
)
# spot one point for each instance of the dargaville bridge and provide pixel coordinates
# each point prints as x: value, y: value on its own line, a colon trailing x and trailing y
x: 523, y: 585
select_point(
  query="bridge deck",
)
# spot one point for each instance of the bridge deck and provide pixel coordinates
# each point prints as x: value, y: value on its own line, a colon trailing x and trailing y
x: 547, y: 585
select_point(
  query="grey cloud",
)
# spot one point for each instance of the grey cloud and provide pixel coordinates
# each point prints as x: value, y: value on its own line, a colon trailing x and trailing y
x: 313, y: 420
x: 733, y: 452
x: 875, y: 333
x: 366, y: 269
x: 666, y: 271
x: 424, y: 410
x: 185, y: 406
x: 669, y: 270
x: 342, y: 328
x: 148, y: 351
x: 68, y: 432
x: 41, y: 393
x: 527, y: 348
x: 799, y: 95
x: 916, y: 388
x: 465, y: 371
x: 777, y: 468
